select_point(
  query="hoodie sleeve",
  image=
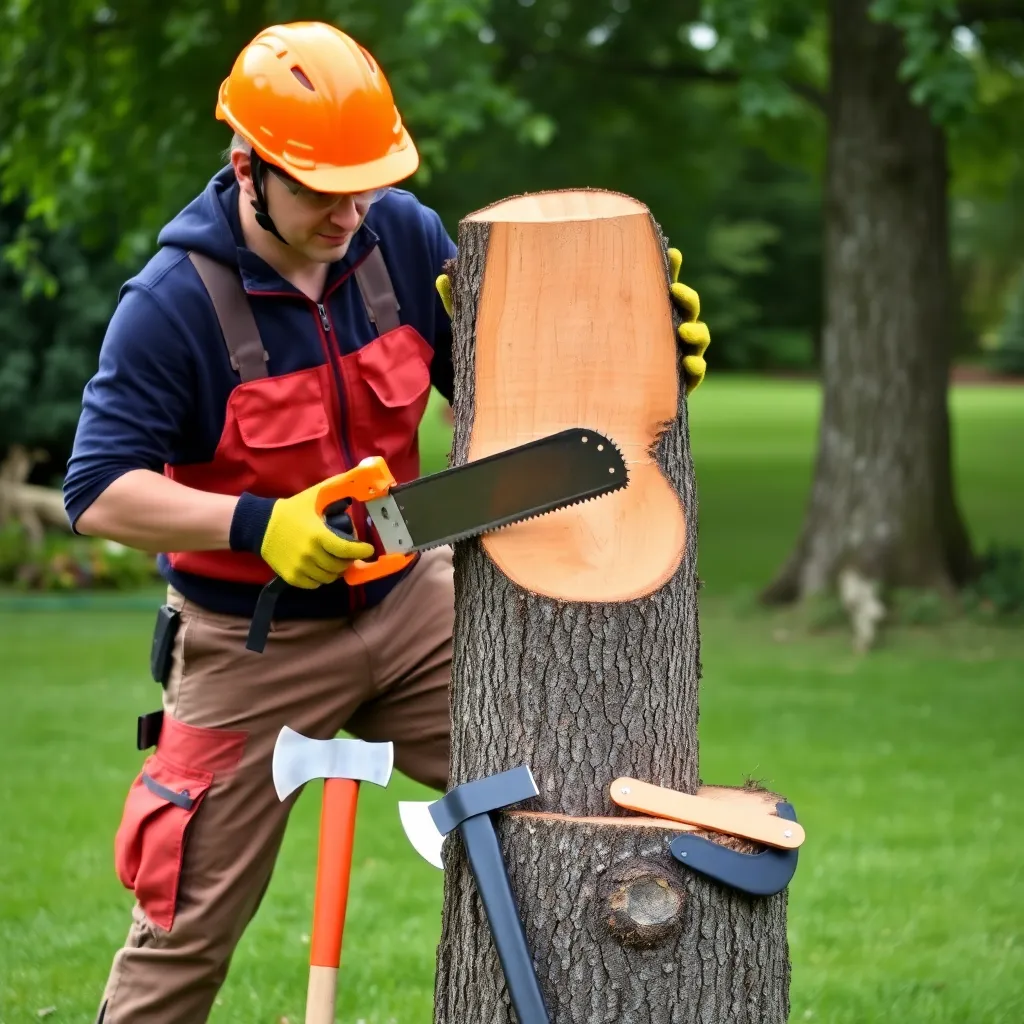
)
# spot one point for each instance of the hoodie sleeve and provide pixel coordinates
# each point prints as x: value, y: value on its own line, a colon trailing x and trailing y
x: 442, y: 374
x: 135, y: 405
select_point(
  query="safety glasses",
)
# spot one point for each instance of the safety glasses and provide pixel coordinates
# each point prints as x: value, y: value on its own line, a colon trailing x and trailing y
x: 323, y: 201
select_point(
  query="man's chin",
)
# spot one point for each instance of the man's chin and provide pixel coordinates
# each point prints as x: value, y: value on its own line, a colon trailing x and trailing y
x: 335, y: 244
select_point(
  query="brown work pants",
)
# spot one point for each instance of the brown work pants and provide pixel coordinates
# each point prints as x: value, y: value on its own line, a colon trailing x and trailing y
x: 199, y: 866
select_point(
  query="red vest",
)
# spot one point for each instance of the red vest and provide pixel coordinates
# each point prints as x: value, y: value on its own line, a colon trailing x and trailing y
x: 285, y: 433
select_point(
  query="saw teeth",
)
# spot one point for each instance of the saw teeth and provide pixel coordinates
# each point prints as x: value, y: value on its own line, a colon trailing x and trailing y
x: 617, y: 486
x: 522, y: 519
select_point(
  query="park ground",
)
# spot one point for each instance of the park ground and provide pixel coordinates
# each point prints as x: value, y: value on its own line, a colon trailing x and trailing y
x: 904, y: 766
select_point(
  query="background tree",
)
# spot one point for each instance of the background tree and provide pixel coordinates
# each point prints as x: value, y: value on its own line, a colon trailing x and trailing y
x: 902, y: 82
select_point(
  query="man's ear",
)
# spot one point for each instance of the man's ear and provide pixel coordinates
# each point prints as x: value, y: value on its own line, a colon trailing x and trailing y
x: 242, y: 164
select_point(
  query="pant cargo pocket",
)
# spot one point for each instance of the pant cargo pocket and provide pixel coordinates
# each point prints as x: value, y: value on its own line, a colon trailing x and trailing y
x: 150, y: 843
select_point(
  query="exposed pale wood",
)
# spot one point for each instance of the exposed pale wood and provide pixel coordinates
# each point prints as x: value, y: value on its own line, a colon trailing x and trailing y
x: 574, y: 328
x: 321, y: 995
x: 562, y: 205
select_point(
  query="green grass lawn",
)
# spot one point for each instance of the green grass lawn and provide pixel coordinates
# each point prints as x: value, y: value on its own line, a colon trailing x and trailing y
x: 903, y: 766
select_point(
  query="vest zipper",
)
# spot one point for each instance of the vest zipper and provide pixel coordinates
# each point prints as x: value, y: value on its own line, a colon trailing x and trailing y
x: 329, y: 351
x: 323, y: 317
x: 355, y: 601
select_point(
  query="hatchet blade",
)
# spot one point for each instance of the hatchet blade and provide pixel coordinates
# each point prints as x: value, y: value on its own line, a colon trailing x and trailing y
x: 421, y: 831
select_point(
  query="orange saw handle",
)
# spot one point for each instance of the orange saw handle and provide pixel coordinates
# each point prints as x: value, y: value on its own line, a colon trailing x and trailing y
x: 370, y: 479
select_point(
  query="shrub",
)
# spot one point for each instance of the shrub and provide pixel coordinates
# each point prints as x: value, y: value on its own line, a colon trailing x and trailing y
x: 65, y: 562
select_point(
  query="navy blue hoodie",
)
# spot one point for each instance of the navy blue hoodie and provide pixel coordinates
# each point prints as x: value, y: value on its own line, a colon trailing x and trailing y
x: 160, y: 392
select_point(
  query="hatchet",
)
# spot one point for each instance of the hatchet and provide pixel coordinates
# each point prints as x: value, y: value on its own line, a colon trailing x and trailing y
x: 468, y: 808
x: 342, y: 764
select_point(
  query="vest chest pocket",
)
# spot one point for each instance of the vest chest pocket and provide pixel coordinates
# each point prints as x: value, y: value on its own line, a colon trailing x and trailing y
x: 283, y: 439
x: 388, y: 385
x: 279, y: 412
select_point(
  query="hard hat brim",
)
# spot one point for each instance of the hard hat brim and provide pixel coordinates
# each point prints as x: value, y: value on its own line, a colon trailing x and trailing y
x: 386, y: 170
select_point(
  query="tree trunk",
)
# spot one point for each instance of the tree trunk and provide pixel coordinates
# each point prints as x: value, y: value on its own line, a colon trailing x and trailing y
x: 882, y: 507
x: 587, y: 692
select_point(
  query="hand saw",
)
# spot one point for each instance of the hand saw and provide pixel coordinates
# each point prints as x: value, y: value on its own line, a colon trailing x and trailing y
x: 520, y: 483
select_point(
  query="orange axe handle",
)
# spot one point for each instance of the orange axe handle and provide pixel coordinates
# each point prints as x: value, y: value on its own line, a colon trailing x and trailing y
x: 334, y: 863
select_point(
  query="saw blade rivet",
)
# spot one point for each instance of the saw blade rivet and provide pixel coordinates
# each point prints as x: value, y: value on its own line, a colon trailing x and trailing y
x: 384, y: 514
x: 585, y: 439
x: 611, y: 469
x: 788, y: 833
x: 625, y: 790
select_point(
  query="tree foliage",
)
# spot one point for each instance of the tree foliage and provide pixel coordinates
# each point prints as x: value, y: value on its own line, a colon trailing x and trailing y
x: 711, y: 112
x: 108, y: 107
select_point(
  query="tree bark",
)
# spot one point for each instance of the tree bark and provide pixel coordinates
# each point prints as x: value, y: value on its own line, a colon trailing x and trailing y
x: 584, y: 693
x: 882, y: 506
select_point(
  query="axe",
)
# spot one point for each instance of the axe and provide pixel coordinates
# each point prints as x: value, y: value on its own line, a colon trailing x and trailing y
x: 342, y: 764
x: 468, y: 808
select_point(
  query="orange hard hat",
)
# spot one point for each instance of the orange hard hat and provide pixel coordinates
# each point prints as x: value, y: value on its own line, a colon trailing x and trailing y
x: 313, y: 102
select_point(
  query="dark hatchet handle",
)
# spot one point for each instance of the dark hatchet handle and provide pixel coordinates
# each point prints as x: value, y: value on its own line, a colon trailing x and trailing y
x: 492, y: 882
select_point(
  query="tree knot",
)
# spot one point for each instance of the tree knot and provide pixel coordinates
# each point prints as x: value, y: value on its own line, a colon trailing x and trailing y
x: 642, y: 906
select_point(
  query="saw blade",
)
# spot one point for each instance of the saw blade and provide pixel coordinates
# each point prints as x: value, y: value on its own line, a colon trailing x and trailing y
x: 556, y: 471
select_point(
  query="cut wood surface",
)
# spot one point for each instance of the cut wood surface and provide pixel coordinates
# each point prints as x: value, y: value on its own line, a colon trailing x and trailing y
x: 574, y: 329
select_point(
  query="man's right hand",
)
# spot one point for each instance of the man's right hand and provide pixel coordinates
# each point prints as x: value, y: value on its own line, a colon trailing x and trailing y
x: 300, y: 547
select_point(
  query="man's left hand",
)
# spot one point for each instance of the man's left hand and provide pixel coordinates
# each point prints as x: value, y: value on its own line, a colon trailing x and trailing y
x: 692, y: 332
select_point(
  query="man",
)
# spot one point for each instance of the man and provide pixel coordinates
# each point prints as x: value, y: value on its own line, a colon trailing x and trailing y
x: 213, y: 417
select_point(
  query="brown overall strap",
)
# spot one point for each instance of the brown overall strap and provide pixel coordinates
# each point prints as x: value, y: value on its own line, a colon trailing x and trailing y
x: 377, y: 291
x: 241, y: 335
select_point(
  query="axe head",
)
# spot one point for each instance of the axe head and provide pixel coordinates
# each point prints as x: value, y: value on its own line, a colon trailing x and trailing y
x: 421, y: 831
x: 426, y: 823
x: 298, y: 759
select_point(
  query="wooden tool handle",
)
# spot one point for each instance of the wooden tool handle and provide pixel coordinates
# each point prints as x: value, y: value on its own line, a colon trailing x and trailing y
x: 716, y: 815
x: 321, y: 995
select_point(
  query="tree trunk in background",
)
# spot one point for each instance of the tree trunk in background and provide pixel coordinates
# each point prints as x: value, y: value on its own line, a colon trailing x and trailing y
x: 584, y: 693
x: 882, y: 508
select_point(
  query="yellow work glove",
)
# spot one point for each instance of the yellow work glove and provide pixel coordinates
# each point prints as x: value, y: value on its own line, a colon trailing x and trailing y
x: 444, y: 289
x: 692, y: 333
x: 301, y: 548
